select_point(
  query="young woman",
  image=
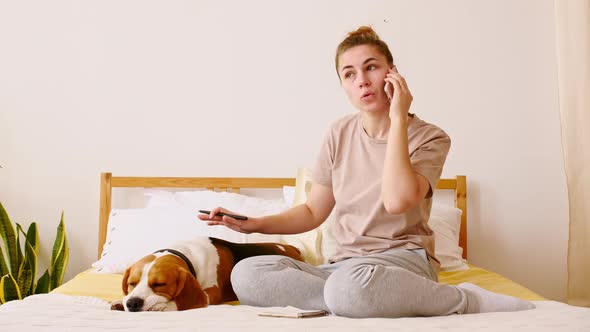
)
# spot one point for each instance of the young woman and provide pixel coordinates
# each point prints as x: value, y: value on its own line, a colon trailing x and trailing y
x: 377, y: 170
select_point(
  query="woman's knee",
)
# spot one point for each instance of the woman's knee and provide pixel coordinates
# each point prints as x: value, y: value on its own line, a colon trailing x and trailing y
x: 343, y: 291
x: 248, y: 274
x: 356, y: 291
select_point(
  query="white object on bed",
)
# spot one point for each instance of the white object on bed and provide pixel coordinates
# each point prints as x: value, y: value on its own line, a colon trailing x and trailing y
x: 56, y: 312
x: 289, y: 195
x: 133, y: 233
x: 308, y: 242
x: 445, y: 222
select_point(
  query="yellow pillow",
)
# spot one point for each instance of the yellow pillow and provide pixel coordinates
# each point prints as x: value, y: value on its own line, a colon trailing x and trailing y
x: 309, y: 242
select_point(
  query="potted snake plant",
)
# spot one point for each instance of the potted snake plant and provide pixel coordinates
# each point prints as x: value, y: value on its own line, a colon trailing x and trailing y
x: 18, y: 271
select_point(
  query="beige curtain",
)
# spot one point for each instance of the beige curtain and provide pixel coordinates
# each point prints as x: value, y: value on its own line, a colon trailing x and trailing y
x: 573, y: 59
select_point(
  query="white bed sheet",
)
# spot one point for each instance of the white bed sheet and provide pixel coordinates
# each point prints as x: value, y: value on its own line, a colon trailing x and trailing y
x: 56, y: 312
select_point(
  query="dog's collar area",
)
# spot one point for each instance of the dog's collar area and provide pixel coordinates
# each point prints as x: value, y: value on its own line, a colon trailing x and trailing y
x: 182, y: 256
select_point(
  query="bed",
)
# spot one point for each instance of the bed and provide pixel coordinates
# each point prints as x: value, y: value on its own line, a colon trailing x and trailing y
x: 81, y: 304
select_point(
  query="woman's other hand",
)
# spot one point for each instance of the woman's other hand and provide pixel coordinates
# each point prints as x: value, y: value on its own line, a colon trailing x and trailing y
x: 243, y: 226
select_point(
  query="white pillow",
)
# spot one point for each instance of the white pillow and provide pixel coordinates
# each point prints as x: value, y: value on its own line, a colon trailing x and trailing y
x: 445, y: 222
x: 289, y: 195
x: 133, y: 233
x: 308, y: 243
x: 240, y: 204
x: 159, y: 198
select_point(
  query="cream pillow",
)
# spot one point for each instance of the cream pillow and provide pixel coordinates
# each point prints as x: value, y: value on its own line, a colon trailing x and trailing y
x: 309, y: 242
x: 302, y: 185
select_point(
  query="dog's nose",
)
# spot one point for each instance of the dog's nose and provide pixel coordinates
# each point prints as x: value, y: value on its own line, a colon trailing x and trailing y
x: 134, y: 304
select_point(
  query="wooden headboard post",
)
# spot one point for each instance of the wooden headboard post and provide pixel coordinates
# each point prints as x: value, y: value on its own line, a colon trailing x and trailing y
x: 461, y: 203
x: 105, y: 209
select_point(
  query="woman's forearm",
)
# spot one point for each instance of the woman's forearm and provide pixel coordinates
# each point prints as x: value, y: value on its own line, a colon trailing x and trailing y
x: 400, y: 187
x: 297, y: 219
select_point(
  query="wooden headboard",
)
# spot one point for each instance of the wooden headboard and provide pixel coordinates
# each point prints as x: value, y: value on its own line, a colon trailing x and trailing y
x: 108, y: 182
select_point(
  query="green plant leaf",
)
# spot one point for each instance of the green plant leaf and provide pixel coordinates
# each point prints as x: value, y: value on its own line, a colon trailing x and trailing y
x: 20, y: 229
x: 24, y: 281
x: 9, y: 237
x: 3, y: 267
x: 9, y: 288
x: 59, y: 256
x: 20, y: 258
x: 31, y: 261
x: 59, y: 239
x: 31, y: 252
x: 33, y: 236
x: 59, y: 269
x: 43, y: 284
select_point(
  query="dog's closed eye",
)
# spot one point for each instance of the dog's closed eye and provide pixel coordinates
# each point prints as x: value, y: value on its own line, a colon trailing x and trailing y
x: 158, y: 284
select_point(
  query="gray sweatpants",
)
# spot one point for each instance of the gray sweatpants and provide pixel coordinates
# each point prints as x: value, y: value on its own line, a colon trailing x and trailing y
x: 394, y: 283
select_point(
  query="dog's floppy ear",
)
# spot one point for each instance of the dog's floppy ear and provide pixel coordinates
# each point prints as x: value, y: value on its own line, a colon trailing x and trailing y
x: 125, y: 277
x: 189, y: 294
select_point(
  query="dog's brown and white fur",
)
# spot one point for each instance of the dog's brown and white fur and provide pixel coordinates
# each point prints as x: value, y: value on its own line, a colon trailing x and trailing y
x: 163, y: 281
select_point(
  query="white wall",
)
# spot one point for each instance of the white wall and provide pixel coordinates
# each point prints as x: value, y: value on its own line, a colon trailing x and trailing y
x: 247, y: 88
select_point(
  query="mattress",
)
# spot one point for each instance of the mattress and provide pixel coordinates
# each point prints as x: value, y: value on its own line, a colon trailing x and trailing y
x: 58, y: 312
x: 81, y: 304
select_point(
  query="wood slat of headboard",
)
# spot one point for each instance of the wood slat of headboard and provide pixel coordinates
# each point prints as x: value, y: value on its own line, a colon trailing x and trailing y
x: 105, y: 209
x: 178, y: 182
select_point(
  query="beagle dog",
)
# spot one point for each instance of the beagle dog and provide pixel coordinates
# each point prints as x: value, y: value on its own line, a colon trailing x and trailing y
x: 190, y: 274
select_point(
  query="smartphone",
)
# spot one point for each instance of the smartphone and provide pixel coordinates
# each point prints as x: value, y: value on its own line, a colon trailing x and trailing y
x: 221, y: 214
x: 388, y: 90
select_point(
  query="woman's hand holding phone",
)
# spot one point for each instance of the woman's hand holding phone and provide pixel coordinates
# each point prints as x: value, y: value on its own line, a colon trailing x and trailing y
x: 398, y: 93
x: 388, y: 90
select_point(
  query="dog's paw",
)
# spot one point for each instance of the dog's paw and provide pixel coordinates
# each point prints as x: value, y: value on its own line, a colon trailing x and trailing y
x: 117, y: 305
x: 169, y: 306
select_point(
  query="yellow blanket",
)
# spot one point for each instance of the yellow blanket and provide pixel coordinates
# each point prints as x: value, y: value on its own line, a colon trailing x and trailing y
x: 490, y: 281
x: 108, y: 286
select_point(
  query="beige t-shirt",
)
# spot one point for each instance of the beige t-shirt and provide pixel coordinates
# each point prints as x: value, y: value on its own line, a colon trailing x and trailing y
x: 351, y: 163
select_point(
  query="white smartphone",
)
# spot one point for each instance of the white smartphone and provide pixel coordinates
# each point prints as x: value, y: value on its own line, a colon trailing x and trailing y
x: 389, y: 90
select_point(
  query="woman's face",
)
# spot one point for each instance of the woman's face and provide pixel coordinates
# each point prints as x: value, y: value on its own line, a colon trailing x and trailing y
x: 362, y: 72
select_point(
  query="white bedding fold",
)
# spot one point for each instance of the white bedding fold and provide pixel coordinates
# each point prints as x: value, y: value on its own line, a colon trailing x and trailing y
x: 56, y: 312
